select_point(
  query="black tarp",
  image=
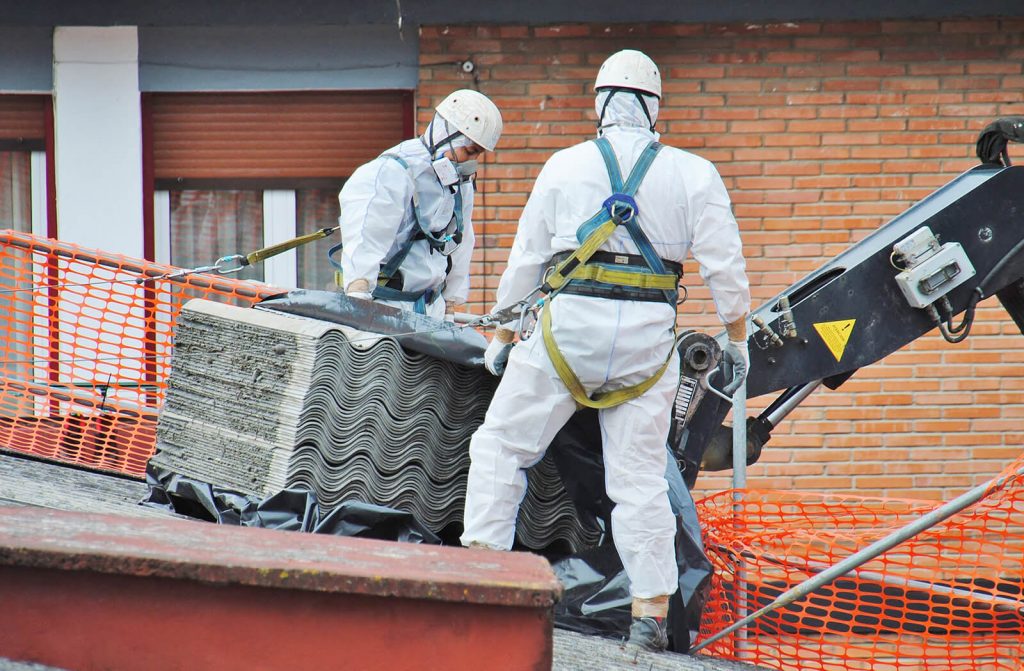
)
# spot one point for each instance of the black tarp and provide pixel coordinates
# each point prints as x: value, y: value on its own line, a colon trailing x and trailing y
x: 289, y: 509
x: 417, y: 333
x: 596, y: 597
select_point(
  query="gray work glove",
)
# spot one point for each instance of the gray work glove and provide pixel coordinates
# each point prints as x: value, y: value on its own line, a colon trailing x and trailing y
x: 496, y: 355
x: 735, y: 362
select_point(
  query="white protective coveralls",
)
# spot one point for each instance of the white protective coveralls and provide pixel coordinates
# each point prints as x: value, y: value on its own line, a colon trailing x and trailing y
x: 683, y: 206
x: 377, y: 218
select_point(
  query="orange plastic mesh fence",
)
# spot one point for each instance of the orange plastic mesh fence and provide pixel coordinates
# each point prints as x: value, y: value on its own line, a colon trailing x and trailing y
x: 949, y: 599
x: 86, y: 347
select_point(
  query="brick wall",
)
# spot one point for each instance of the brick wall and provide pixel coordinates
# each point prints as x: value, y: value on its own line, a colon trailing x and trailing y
x: 822, y: 131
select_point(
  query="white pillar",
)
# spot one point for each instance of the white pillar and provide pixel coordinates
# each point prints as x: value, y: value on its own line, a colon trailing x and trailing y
x: 98, y: 137
x: 278, y: 226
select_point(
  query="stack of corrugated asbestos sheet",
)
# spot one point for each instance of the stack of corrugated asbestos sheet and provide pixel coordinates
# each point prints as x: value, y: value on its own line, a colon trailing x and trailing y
x: 261, y: 401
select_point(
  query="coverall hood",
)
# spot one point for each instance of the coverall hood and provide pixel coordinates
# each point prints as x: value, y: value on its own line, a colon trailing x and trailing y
x: 624, y: 109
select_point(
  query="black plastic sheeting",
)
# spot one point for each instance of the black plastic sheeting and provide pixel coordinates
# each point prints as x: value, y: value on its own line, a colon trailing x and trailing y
x: 415, y: 332
x: 596, y: 598
x: 289, y: 509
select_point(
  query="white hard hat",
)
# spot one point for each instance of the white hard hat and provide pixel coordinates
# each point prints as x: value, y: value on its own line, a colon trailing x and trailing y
x: 629, y: 69
x: 474, y: 115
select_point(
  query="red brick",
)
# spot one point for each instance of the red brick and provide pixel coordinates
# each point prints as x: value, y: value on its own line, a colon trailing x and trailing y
x: 965, y: 26
x: 860, y: 84
x: 919, y: 140
x: 577, y: 30
x: 849, y: 112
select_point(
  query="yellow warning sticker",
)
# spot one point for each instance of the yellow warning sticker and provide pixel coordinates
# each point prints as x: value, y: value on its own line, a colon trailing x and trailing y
x: 836, y: 335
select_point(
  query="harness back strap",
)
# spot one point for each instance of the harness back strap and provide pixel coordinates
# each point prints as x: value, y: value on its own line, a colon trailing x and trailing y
x: 618, y: 210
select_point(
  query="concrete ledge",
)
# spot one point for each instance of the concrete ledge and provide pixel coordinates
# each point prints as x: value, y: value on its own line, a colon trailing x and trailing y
x: 32, y: 537
x: 88, y: 591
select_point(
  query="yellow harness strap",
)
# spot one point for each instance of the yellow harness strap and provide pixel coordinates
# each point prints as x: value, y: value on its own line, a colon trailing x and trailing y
x: 575, y: 267
x: 626, y: 278
x: 607, y: 399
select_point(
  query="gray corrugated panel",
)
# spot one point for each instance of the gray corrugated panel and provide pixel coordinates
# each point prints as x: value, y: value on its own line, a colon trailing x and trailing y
x: 261, y: 401
x: 28, y: 482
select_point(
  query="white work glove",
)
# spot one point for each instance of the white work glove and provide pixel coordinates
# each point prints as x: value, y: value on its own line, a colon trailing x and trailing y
x: 496, y: 355
x: 359, y: 289
x: 449, y: 310
x: 735, y: 363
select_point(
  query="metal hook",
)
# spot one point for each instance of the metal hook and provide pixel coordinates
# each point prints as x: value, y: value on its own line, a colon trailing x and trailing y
x: 705, y: 382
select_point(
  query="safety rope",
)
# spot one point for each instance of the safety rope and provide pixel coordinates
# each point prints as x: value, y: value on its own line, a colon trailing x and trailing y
x: 221, y: 266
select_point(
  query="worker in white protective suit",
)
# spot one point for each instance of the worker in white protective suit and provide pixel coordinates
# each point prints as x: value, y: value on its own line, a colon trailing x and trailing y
x: 406, y: 216
x: 606, y: 334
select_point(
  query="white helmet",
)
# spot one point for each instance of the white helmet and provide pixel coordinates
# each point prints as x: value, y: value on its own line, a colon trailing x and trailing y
x: 629, y: 69
x: 474, y: 115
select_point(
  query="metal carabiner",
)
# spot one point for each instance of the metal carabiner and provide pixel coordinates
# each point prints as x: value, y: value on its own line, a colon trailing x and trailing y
x: 219, y: 266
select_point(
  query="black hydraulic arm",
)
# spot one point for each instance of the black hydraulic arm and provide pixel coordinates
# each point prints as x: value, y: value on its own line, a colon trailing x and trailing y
x: 957, y: 246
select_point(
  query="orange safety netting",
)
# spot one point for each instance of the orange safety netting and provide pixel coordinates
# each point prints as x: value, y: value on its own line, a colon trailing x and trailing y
x: 85, y: 348
x: 948, y: 599
x: 84, y: 365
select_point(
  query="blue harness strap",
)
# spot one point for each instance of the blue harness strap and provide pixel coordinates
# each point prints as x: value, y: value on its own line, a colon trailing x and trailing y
x: 437, y: 243
x: 621, y: 207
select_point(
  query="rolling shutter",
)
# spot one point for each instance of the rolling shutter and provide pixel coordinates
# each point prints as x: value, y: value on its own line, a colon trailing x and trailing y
x: 23, y: 119
x: 279, y: 135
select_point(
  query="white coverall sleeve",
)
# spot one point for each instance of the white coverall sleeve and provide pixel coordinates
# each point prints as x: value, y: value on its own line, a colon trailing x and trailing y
x: 457, y: 287
x: 373, y: 204
x: 531, y: 249
x: 719, y: 251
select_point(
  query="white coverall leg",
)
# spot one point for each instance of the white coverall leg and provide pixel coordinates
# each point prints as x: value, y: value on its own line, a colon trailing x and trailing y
x: 532, y: 404
x: 634, y: 435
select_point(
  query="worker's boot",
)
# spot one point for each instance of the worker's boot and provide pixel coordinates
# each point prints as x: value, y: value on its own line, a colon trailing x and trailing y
x: 479, y: 545
x: 649, y: 630
x: 648, y: 633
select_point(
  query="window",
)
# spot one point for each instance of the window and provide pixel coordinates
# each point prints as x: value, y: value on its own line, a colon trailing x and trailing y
x: 316, y: 209
x: 16, y: 190
x: 205, y: 225
x: 237, y: 171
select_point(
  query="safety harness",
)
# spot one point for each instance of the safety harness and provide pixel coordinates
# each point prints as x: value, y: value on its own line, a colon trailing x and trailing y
x: 587, y: 271
x: 389, y: 280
